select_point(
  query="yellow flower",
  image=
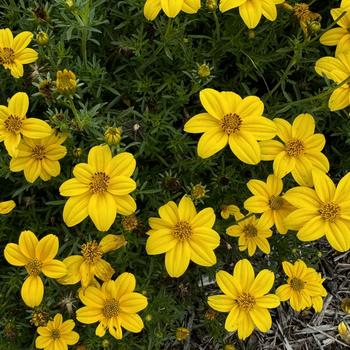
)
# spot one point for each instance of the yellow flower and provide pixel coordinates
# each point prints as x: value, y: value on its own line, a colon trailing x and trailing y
x: 228, y: 210
x: 114, y: 305
x: 170, y: 7
x: 304, y: 284
x: 231, y: 120
x: 268, y: 200
x: 252, y: 10
x: 338, y: 36
x: 252, y: 233
x: 39, y: 157
x: 66, y: 82
x: 90, y: 264
x: 204, y: 71
x: 56, y: 334
x: 299, y: 151
x: 343, y: 329
x: 14, y: 123
x: 14, y: 52
x: 338, y: 70
x: 245, y: 298
x: 113, y: 136
x: 36, y: 256
x: 6, y: 207
x: 100, y: 189
x: 321, y: 211
x: 183, y: 235
x: 182, y: 333
x: 42, y: 38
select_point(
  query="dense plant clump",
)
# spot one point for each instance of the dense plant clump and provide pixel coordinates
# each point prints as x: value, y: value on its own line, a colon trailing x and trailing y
x: 174, y: 174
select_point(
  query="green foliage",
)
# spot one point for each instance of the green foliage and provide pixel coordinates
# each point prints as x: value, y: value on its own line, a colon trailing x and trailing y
x: 142, y: 76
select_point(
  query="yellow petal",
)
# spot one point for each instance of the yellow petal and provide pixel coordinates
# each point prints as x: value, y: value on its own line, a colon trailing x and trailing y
x: 257, y: 204
x: 262, y: 283
x: 204, y: 218
x: 19, y: 104
x: 202, y: 122
x: 270, y: 149
x: 47, y: 248
x: 211, y: 101
x: 221, y: 303
x: 206, y: 236
x: 73, y: 187
x: 111, y: 242
x: 245, y: 147
x: 14, y: 256
x: 132, y: 303
x: 171, y: 7
x: 131, y: 322
x: 268, y: 301
x: 339, y: 99
x: 202, y: 254
x: 71, y: 338
x: 121, y: 185
x: 6, y: 207
x: 99, y: 157
x: 103, y: 270
x: 35, y: 128
x: 22, y: 40
x: 226, y: 5
x: 122, y: 164
x: 251, y: 106
x: 27, y: 243
x: 32, y: 291
x: 324, y: 186
x: 261, y: 318
x: 160, y: 242
x: 244, y: 272
x: 169, y: 213
x: 269, y: 10
x: 93, y: 298
x: 332, y: 36
x: 231, y: 323
x: 43, y: 342
x: 6, y: 38
x: 338, y: 235
x: 72, y: 264
x: 102, y: 210
x: 151, y: 9
x: 186, y: 209
x: 260, y: 127
x: 284, y: 292
x: 245, y: 325
x: 303, y: 197
x: 26, y: 56
x: 125, y: 283
x: 342, y: 192
x: 76, y: 209
x: 283, y: 164
x: 312, y: 230
x: 298, y: 218
x: 228, y: 284
x: 251, y: 12
x: 191, y: 6
x: 83, y: 172
x: 302, y: 172
x: 284, y: 129
x: 54, y: 269
x: 125, y: 204
x: 178, y: 259
x: 211, y: 142
x: 89, y: 315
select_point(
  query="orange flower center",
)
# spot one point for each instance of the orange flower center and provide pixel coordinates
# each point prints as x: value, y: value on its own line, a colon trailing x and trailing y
x: 246, y: 301
x: 110, y: 308
x: 276, y: 202
x: 294, y: 148
x: 55, y: 334
x: 99, y: 182
x: 329, y: 211
x: 34, y: 267
x: 38, y: 152
x: 182, y: 230
x: 297, y: 284
x: 231, y: 123
x: 250, y: 230
x: 13, y: 123
x: 7, y: 55
x: 91, y: 252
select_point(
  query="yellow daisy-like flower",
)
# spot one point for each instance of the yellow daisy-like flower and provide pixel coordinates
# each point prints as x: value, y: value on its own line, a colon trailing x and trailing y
x: 338, y: 36
x: 324, y: 210
x: 252, y: 10
x: 39, y: 157
x: 14, y: 52
x: 100, y: 188
x: 300, y: 149
x: 245, y: 298
x: 90, y: 264
x: 338, y: 70
x: 66, y: 82
x: 228, y: 210
x: 231, y: 120
x: 183, y: 235
x: 14, y: 123
x: 268, y: 200
x: 6, y: 207
x: 114, y: 305
x: 56, y: 335
x: 304, y: 288
x: 170, y: 7
x: 36, y: 256
x: 252, y: 233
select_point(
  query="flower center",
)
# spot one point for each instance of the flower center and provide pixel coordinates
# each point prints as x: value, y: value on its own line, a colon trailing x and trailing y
x: 294, y: 148
x: 182, y: 230
x: 34, y: 267
x: 246, y: 301
x: 329, y: 211
x: 111, y: 308
x: 55, y: 334
x: 13, y: 123
x: 276, y: 202
x: 231, y: 123
x: 91, y: 252
x: 38, y: 152
x: 297, y: 284
x: 250, y: 230
x: 99, y: 182
x: 7, y: 55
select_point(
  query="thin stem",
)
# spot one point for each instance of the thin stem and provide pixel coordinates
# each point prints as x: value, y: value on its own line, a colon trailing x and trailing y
x: 72, y: 107
x: 217, y: 26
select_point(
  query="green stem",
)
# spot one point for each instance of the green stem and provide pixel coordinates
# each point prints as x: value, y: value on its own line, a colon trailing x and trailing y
x: 217, y: 26
x: 83, y: 46
x: 71, y: 105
